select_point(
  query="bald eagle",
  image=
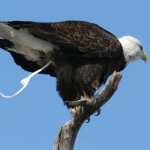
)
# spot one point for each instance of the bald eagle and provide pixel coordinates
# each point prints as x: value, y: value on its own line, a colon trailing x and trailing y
x: 81, y: 55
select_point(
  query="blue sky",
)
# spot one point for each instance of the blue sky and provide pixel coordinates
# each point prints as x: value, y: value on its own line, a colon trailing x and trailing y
x: 30, y: 121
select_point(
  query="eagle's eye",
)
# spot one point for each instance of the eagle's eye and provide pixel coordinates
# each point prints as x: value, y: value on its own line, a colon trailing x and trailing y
x: 141, y: 47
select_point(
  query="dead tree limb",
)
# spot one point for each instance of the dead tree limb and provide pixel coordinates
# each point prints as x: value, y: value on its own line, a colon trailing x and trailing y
x: 67, y: 134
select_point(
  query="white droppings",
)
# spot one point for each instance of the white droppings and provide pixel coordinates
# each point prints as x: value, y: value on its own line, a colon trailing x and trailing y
x: 25, y: 82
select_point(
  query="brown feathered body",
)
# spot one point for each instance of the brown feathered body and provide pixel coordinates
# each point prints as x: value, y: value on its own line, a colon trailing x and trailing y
x: 84, y: 55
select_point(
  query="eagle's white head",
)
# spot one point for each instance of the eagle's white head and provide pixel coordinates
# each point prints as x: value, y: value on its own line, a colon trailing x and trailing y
x: 132, y: 49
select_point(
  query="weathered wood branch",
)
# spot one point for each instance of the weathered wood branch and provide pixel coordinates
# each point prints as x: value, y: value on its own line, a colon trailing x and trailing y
x: 67, y: 134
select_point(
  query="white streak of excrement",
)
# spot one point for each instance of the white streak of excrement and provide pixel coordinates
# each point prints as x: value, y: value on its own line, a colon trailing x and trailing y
x: 25, y: 82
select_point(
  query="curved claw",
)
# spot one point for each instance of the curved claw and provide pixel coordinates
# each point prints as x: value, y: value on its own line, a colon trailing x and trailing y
x: 88, y: 119
x: 98, y: 112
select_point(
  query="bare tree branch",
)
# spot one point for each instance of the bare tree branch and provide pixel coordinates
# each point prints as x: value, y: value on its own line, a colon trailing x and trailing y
x: 68, y: 132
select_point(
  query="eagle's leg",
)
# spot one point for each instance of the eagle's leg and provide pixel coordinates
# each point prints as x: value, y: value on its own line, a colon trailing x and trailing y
x: 82, y: 102
x: 74, y: 110
x: 87, y: 98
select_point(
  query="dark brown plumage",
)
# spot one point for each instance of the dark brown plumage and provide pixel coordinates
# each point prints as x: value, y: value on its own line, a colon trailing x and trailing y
x: 83, y: 57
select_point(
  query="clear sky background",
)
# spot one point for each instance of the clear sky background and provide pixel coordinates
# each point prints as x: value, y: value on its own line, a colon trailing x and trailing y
x: 31, y: 120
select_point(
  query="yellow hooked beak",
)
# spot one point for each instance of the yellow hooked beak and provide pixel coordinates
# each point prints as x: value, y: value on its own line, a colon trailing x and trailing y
x: 144, y: 57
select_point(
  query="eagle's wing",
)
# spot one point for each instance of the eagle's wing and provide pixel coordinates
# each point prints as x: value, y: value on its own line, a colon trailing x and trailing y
x: 88, y: 38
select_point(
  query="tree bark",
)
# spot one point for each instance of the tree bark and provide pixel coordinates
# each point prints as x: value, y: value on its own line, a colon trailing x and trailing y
x: 67, y: 134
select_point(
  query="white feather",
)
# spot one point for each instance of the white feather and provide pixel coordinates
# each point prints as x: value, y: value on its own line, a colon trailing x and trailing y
x: 25, y: 43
